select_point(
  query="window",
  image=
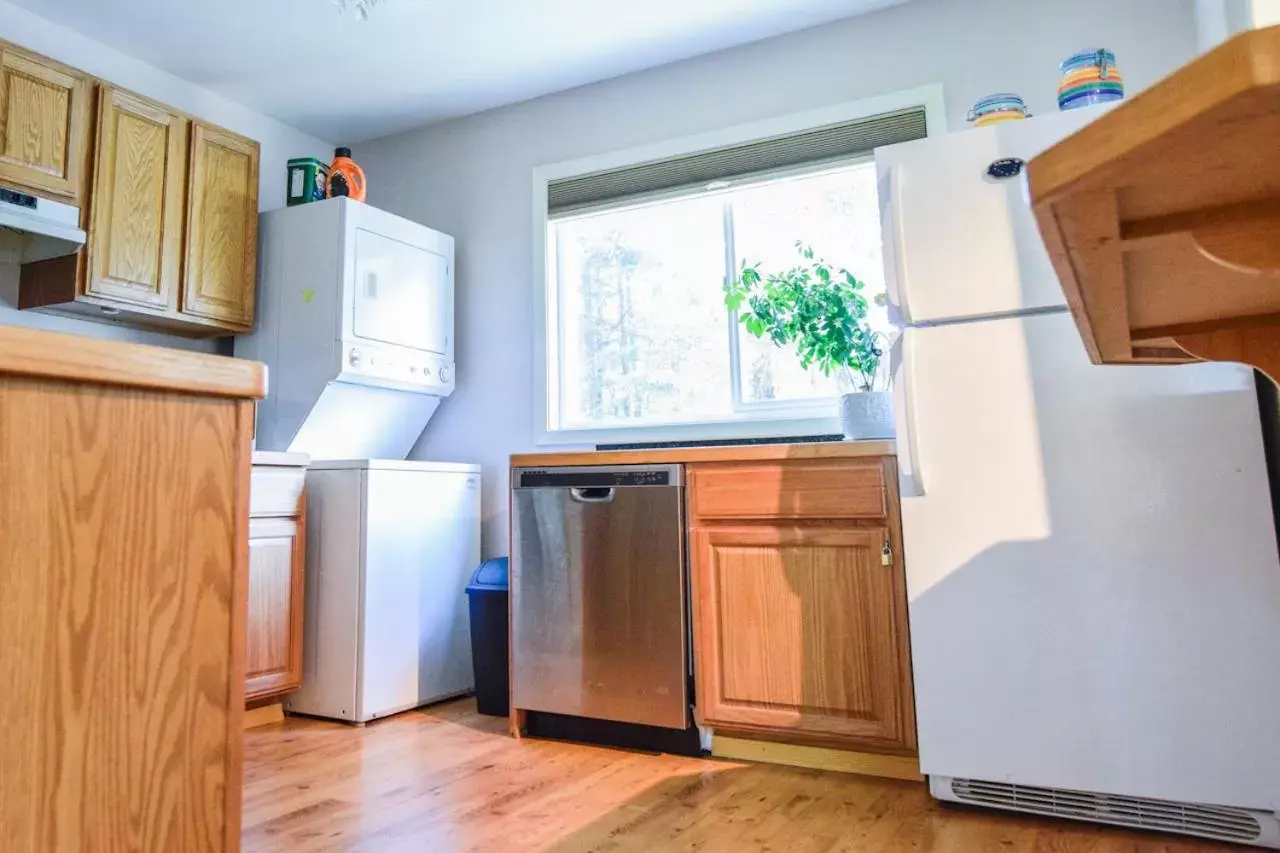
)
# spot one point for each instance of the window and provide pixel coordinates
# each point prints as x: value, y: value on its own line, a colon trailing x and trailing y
x: 639, y: 344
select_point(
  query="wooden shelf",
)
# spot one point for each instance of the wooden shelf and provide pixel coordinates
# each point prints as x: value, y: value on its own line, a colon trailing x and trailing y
x: 1163, y: 217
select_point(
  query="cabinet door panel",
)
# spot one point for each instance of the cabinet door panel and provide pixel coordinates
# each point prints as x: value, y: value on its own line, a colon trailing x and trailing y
x: 222, y: 227
x: 43, y: 123
x: 273, y: 650
x: 136, y: 225
x: 798, y: 630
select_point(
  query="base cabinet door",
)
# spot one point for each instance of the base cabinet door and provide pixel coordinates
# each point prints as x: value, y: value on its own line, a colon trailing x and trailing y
x: 800, y: 630
x: 273, y: 651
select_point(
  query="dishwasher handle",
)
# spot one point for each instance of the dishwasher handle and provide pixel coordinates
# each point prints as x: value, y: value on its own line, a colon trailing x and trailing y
x: 592, y: 495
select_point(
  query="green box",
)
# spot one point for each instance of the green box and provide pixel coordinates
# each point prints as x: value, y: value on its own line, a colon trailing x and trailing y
x: 307, y: 180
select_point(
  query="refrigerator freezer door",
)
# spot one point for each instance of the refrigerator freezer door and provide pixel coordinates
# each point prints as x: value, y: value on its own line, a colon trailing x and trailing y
x: 958, y: 242
x: 1092, y: 569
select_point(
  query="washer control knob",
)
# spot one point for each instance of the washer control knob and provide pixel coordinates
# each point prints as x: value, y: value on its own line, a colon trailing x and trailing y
x: 354, y: 358
x: 446, y: 375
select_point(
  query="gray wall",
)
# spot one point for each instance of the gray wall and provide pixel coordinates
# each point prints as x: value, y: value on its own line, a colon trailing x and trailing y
x: 472, y: 177
x: 279, y: 143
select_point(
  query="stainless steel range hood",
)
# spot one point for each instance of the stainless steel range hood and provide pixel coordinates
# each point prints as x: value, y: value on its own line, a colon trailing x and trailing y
x: 42, y: 229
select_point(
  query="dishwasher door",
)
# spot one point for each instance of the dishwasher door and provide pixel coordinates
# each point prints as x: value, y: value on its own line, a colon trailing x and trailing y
x: 598, y: 579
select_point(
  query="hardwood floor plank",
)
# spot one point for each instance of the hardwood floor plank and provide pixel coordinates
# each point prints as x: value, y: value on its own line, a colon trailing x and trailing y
x: 449, y: 780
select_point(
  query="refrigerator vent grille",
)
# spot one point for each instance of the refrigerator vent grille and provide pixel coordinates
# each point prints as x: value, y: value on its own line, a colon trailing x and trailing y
x: 1217, y: 822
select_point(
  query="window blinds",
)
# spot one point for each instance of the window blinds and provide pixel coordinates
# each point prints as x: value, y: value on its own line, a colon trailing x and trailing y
x: 831, y: 143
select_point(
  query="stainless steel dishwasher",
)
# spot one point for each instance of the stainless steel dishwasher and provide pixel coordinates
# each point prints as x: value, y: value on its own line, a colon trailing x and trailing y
x: 598, y: 580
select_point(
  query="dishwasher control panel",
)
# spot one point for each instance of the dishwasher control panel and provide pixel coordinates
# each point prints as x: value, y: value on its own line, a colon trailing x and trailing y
x: 598, y: 477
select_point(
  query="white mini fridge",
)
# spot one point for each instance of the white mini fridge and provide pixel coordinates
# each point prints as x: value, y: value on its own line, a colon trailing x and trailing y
x: 390, y: 549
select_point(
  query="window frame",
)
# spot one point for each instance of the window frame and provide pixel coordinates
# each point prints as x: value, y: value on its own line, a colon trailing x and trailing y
x: 750, y: 420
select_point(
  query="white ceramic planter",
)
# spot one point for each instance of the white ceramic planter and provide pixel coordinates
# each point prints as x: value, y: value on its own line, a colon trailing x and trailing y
x: 867, y: 415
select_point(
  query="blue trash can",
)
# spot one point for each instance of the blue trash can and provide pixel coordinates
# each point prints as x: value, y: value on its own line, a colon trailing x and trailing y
x: 488, y: 593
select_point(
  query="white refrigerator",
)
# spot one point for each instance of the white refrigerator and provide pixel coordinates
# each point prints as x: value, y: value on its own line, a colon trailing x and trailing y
x: 390, y: 549
x: 1091, y: 554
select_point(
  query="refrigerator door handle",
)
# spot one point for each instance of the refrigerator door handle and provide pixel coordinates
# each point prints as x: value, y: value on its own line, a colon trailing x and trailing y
x: 910, y: 479
x: 891, y: 227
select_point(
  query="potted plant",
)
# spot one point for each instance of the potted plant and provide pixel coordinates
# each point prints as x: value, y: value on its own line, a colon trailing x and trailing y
x: 823, y: 312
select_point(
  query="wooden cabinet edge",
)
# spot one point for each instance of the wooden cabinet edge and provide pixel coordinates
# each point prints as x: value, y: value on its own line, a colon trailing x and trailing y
x: 839, y: 760
x: 34, y: 352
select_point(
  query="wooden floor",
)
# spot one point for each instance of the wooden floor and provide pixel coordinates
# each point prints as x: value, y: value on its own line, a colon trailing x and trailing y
x: 448, y: 780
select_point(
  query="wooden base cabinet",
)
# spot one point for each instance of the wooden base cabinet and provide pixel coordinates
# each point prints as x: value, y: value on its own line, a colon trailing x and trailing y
x: 277, y: 560
x: 124, y: 514
x: 800, y: 622
x: 273, y: 654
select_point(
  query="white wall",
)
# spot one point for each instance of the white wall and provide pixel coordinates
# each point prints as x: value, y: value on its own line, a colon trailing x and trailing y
x: 472, y: 177
x: 1266, y: 13
x: 279, y: 143
x: 1216, y: 20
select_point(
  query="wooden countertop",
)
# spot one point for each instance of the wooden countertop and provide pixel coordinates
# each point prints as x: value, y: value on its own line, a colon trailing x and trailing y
x: 732, y: 453
x: 33, y: 352
x: 1161, y: 216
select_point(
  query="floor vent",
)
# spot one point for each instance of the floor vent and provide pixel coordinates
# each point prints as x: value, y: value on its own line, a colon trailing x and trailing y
x: 1217, y: 822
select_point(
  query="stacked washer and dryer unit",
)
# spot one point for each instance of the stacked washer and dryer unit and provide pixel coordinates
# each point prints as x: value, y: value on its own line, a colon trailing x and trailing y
x: 355, y: 325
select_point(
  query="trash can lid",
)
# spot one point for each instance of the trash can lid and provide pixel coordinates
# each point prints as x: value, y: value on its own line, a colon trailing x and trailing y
x: 492, y: 576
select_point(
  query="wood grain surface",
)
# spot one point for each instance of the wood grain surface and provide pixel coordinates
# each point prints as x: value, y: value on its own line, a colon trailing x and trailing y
x: 44, y: 123
x: 830, y: 489
x: 448, y: 779
x: 123, y: 538
x: 277, y: 560
x: 903, y: 767
x: 222, y: 226
x: 33, y: 352
x: 730, y: 453
x: 796, y: 632
x: 136, y: 226
x: 1160, y: 216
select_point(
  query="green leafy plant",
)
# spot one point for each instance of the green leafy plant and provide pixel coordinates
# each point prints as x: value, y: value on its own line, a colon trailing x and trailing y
x: 818, y: 308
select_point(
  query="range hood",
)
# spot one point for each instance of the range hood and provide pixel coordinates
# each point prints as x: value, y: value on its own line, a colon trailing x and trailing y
x: 43, y: 229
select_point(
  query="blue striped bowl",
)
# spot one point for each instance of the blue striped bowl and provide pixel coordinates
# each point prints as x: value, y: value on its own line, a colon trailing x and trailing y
x: 1001, y: 102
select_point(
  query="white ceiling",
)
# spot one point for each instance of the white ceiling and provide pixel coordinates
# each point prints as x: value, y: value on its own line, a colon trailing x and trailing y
x: 418, y: 61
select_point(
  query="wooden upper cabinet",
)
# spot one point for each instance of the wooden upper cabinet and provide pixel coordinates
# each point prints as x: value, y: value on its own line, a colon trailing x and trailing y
x: 44, y: 124
x: 136, y: 220
x: 222, y: 227
x: 801, y: 630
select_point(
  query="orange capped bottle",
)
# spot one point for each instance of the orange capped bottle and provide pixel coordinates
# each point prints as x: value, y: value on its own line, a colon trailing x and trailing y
x: 345, y: 177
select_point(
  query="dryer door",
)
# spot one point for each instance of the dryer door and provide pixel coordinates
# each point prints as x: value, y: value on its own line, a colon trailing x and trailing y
x: 403, y: 294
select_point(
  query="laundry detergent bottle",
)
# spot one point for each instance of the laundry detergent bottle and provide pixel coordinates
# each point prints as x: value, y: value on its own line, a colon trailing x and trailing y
x: 345, y: 177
